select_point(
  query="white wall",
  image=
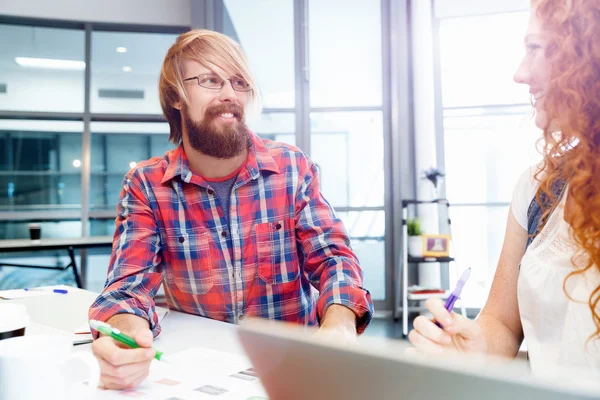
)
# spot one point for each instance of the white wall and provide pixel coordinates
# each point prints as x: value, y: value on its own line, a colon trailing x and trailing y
x: 151, y: 12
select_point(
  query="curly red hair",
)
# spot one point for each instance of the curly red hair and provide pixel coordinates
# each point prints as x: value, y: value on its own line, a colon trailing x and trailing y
x: 572, y: 102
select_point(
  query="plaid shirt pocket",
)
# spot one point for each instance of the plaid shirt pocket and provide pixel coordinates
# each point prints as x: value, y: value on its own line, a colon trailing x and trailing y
x: 188, y: 261
x: 277, y: 254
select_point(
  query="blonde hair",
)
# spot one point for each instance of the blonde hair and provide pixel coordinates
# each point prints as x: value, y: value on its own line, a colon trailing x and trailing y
x: 207, y: 47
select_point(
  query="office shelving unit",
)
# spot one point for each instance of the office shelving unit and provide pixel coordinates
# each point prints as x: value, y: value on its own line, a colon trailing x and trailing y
x: 402, y: 297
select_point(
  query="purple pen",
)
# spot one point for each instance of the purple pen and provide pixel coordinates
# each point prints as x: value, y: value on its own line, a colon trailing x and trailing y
x: 449, y: 305
x: 60, y: 291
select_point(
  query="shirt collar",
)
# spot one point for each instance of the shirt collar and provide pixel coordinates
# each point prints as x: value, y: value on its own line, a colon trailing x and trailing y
x: 259, y: 159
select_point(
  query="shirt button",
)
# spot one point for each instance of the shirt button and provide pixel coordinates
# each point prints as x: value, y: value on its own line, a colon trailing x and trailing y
x: 224, y: 233
x: 278, y: 226
x: 181, y: 239
x: 211, y: 192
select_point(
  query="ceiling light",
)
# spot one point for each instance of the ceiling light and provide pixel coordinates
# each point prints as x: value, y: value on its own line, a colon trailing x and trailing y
x: 132, y: 164
x: 50, y: 63
x: 76, y: 163
x: 121, y: 49
x: 126, y: 69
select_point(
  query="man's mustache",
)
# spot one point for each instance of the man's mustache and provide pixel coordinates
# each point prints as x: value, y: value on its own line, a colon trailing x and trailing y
x: 215, y: 111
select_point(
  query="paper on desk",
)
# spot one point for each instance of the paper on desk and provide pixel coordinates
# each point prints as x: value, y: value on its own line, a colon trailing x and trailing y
x: 39, y: 329
x: 195, y: 373
x: 81, y: 334
x: 85, y: 327
x: 162, y: 312
x: 23, y: 294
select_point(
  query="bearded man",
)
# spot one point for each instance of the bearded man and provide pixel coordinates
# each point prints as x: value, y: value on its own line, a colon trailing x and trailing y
x: 232, y: 225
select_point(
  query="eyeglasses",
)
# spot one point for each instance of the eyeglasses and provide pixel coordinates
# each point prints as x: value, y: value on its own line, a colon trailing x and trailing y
x: 215, y: 82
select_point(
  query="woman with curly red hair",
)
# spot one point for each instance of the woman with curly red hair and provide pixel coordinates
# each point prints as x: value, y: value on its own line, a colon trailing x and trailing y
x: 547, y: 285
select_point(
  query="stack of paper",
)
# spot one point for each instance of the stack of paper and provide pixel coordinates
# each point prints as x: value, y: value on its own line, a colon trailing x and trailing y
x: 197, y: 373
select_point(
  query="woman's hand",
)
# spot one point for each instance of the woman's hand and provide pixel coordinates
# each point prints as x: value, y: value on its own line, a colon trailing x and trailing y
x: 457, y: 333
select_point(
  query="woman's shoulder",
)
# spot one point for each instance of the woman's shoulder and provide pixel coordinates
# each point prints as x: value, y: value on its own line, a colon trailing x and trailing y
x: 530, y: 178
x: 524, y: 192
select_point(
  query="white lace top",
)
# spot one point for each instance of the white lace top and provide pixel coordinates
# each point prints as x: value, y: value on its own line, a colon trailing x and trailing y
x: 557, y: 328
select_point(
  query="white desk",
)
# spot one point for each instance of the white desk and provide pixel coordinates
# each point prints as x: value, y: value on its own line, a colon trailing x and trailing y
x: 183, y: 331
x: 179, y: 331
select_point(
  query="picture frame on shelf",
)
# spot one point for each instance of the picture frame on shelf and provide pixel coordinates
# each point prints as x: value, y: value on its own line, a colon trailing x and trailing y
x: 437, y: 245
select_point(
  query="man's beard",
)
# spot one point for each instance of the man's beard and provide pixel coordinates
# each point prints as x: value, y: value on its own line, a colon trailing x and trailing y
x: 226, y: 141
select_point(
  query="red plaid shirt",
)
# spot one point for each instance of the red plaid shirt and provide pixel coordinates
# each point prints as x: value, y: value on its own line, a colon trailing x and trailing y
x: 282, y: 240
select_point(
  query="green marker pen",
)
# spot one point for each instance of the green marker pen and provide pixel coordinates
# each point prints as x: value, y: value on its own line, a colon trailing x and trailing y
x: 116, y: 334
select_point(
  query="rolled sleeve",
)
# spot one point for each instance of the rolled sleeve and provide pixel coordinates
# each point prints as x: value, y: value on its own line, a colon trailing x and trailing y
x: 135, y: 268
x: 327, y: 259
x: 356, y: 298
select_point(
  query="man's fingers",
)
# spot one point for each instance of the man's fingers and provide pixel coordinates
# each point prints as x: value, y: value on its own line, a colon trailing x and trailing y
x: 122, y: 371
x: 106, y: 349
x: 123, y: 383
x: 129, y: 356
x: 139, y: 380
x: 143, y: 337
x: 103, y: 347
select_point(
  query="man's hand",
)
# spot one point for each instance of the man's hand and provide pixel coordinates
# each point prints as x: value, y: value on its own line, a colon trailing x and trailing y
x: 338, y: 325
x: 122, y: 367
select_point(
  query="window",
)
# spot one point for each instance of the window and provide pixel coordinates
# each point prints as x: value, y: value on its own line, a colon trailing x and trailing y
x: 479, y: 56
x: 344, y: 114
x: 116, y: 148
x: 478, y: 232
x: 42, y: 69
x: 345, y: 53
x: 42, y: 97
x: 265, y: 29
x: 280, y: 127
x: 348, y: 147
x: 491, y: 150
x: 49, y: 229
x: 351, y: 89
x: 489, y: 136
x: 125, y: 71
x: 274, y: 35
x: 367, y: 234
x: 40, y: 165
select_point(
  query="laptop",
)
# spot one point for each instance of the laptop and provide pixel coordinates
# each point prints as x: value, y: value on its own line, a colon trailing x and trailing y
x: 292, y: 365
